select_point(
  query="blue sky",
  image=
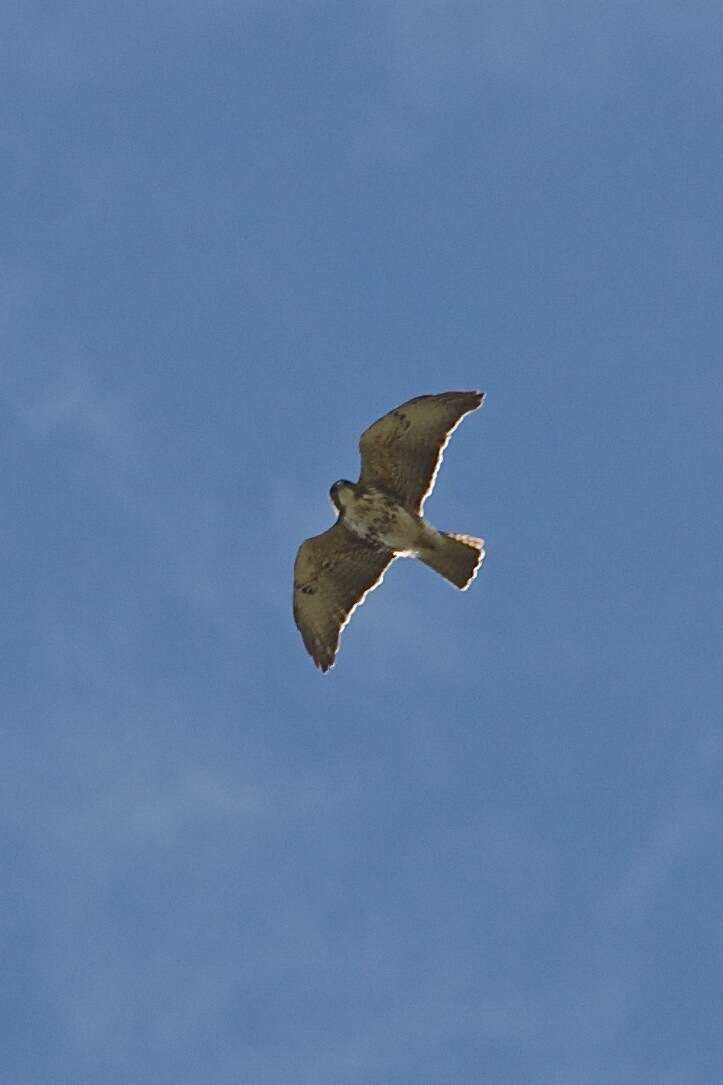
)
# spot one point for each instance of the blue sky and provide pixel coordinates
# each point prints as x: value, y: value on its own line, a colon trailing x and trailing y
x: 486, y: 847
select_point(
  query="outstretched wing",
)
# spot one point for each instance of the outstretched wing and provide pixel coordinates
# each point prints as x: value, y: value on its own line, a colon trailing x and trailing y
x: 332, y: 575
x: 402, y: 451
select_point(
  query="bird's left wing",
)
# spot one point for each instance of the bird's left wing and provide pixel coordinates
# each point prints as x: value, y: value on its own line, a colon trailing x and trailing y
x: 333, y: 573
x: 402, y: 451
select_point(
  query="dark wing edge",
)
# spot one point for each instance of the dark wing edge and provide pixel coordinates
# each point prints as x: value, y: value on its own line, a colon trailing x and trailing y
x: 468, y: 402
x: 333, y: 574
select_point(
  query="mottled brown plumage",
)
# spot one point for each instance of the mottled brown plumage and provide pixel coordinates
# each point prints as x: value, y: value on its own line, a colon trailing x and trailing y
x: 380, y: 518
x: 334, y: 572
x: 403, y: 451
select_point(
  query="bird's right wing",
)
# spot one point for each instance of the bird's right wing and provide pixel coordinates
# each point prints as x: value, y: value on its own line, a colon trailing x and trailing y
x: 333, y: 573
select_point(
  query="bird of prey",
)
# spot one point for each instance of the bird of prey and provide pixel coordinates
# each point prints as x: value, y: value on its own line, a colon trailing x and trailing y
x: 380, y: 519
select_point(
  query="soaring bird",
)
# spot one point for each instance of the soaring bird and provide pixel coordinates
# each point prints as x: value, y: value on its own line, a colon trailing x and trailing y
x: 380, y: 519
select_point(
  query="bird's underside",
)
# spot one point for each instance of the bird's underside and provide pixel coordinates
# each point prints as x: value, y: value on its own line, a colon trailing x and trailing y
x: 380, y: 518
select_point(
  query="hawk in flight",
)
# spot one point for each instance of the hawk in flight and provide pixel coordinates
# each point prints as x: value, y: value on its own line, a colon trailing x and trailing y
x: 380, y: 519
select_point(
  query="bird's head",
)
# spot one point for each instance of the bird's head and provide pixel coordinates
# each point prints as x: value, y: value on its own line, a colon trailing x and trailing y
x: 338, y: 491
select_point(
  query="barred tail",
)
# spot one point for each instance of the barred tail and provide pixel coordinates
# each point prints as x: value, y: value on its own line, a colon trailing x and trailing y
x: 456, y: 557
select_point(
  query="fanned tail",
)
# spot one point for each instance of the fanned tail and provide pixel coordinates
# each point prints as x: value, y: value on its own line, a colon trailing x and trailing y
x: 457, y: 558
